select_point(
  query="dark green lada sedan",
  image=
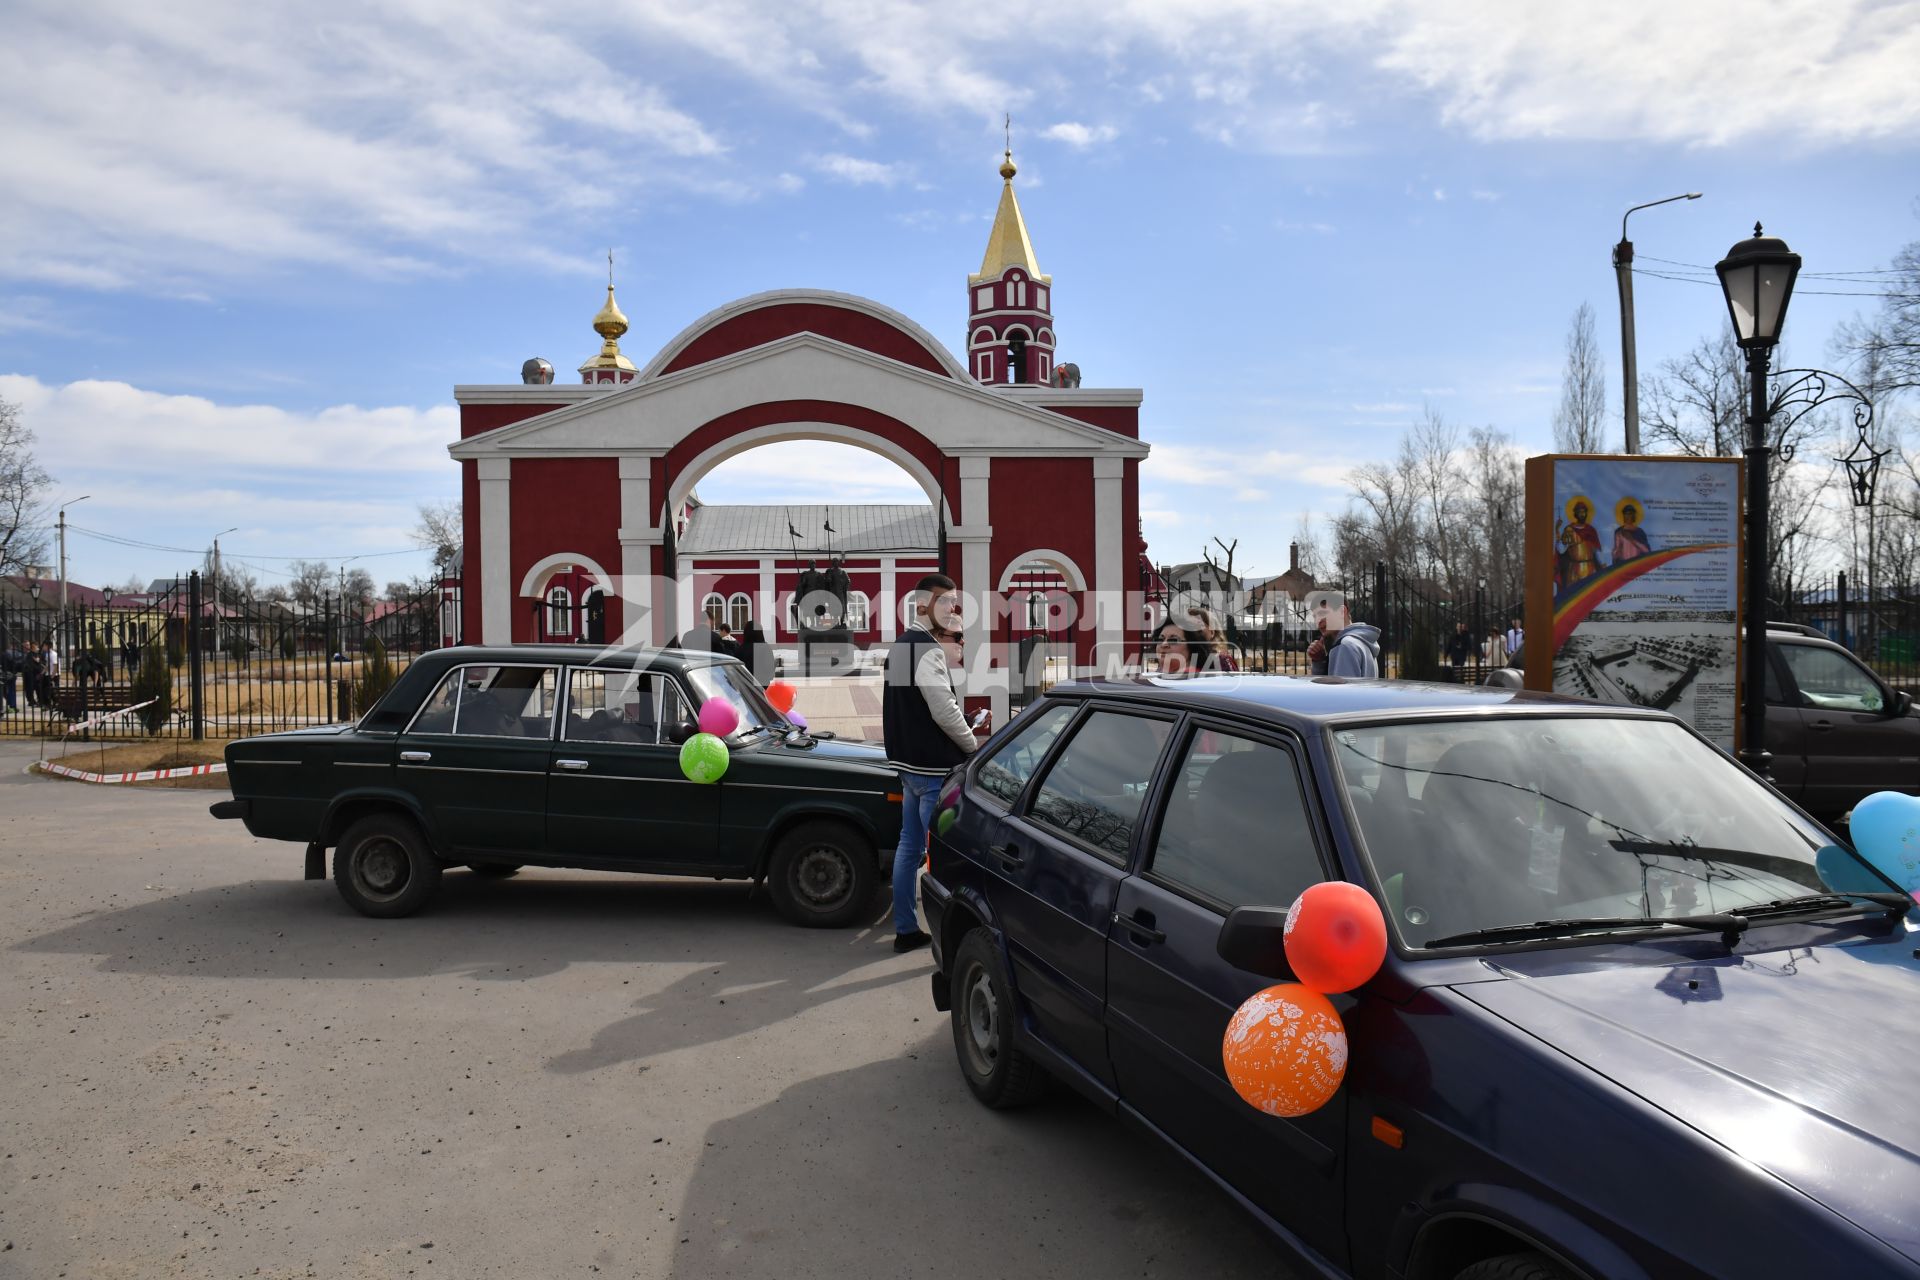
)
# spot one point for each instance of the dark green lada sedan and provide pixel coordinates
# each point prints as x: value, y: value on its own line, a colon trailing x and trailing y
x: 563, y: 756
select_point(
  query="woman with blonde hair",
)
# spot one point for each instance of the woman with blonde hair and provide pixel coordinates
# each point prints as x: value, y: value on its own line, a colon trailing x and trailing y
x: 1219, y: 657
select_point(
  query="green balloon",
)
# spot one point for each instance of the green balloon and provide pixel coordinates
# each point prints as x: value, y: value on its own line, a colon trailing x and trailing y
x: 703, y: 757
x: 944, y: 823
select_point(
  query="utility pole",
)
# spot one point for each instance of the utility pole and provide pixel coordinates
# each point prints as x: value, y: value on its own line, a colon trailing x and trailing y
x: 215, y: 584
x: 60, y: 627
x: 1629, y: 360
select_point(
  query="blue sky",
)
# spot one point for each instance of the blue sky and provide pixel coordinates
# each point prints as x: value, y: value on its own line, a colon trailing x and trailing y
x: 246, y: 251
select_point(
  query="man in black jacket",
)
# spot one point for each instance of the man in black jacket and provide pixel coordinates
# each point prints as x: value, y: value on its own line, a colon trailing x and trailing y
x: 926, y: 735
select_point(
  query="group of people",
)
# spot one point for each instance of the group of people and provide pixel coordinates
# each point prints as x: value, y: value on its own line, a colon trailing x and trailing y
x: 1492, y: 650
x: 1341, y: 647
x: 713, y: 634
x: 34, y: 671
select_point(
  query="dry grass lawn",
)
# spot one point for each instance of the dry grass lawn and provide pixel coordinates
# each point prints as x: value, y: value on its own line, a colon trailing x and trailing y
x: 135, y: 757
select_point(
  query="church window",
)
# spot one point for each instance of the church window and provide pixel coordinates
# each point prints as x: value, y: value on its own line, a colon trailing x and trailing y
x: 559, y: 611
x: 857, y: 608
x: 739, y: 611
x: 983, y: 299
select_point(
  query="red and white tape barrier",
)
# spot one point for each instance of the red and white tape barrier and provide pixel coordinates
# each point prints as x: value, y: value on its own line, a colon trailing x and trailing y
x: 144, y: 775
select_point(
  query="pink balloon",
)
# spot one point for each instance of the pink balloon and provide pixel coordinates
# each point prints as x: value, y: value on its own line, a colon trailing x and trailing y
x: 797, y: 720
x: 718, y: 717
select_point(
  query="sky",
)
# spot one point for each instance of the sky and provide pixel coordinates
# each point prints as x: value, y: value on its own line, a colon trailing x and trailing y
x: 247, y: 250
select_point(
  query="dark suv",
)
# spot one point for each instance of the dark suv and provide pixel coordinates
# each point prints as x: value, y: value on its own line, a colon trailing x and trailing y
x: 1640, y: 1017
x: 1837, y: 731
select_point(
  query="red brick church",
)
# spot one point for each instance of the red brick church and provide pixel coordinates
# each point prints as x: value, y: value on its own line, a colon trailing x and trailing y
x: 582, y: 520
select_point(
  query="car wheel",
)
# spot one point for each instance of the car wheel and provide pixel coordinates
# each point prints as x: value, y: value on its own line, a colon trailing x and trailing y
x: 494, y: 870
x: 383, y: 868
x: 822, y: 875
x: 999, y: 1074
x: 1516, y: 1266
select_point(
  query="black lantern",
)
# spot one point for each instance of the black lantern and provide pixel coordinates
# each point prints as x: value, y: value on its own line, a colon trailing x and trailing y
x: 106, y: 593
x: 33, y: 588
x: 1758, y: 276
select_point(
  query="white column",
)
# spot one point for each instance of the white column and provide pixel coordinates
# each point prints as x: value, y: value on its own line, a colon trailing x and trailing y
x: 889, y: 601
x: 496, y: 550
x: 766, y: 610
x: 976, y: 569
x: 1109, y: 547
x: 638, y: 538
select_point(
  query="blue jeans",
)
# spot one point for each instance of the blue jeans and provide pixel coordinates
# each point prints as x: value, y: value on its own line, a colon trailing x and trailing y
x: 916, y: 819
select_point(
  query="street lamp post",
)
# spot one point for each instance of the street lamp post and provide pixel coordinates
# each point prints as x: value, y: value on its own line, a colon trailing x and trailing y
x: 1757, y: 276
x: 1629, y: 358
x: 60, y: 625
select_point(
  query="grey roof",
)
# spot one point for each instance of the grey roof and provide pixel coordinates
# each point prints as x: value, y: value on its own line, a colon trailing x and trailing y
x: 858, y: 530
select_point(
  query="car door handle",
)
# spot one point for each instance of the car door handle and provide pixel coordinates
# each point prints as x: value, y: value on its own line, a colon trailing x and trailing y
x: 571, y: 766
x: 1821, y: 726
x: 1140, y: 925
x: 415, y: 757
x: 1009, y: 855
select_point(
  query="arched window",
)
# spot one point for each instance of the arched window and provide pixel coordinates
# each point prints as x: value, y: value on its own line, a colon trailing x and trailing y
x: 981, y: 337
x: 1017, y: 340
x: 715, y: 607
x: 858, y: 607
x: 559, y: 611
x: 739, y: 611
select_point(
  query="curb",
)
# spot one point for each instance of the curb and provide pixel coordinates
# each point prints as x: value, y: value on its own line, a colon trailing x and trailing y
x: 145, y: 775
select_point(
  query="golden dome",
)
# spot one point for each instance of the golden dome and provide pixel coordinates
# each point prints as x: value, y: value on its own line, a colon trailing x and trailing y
x: 610, y: 322
x: 1006, y: 166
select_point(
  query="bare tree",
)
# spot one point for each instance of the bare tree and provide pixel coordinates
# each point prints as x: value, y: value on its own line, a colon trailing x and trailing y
x: 440, y: 531
x: 1697, y: 404
x: 1893, y: 337
x: 310, y: 581
x: 23, y: 539
x: 1580, y: 424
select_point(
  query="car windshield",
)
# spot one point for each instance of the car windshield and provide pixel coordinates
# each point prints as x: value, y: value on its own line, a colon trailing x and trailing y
x: 736, y: 685
x: 1476, y: 824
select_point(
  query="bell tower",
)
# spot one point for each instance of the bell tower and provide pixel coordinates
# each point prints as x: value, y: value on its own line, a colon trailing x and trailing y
x: 1009, y: 302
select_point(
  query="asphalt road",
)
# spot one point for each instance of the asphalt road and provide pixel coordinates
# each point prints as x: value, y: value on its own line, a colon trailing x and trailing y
x: 214, y: 1068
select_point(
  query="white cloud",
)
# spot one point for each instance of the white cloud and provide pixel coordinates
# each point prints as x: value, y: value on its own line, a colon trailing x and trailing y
x: 860, y: 172
x: 171, y: 469
x: 789, y: 183
x: 1080, y: 136
x: 1230, y: 469
x: 1385, y: 406
x: 1440, y: 193
x: 1481, y: 193
x: 1289, y: 226
x: 809, y: 471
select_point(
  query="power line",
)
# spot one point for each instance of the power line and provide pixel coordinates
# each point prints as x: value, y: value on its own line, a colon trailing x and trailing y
x: 119, y: 540
x: 1817, y: 293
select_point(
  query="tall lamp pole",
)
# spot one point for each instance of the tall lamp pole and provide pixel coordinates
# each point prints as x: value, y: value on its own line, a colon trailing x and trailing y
x: 1629, y: 358
x: 1757, y: 275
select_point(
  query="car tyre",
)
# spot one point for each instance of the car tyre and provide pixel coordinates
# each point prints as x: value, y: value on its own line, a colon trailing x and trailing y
x: 494, y: 870
x: 1516, y: 1266
x: 383, y: 867
x: 822, y: 875
x: 983, y: 1016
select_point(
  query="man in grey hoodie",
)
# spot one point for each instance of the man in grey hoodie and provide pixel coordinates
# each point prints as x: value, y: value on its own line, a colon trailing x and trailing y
x: 1345, y: 647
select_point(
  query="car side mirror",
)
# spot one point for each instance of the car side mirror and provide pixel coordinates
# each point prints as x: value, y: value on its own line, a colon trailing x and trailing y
x: 1902, y: 702
x: 681, y: 730
x: 1255, y: 939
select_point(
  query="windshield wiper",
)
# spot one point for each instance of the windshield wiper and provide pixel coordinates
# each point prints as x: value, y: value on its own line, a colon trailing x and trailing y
x: 1895, y: 903
x: 1730, y: 927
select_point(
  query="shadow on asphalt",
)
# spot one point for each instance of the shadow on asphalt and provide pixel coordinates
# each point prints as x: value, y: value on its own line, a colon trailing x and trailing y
x: 752, y: 968
x: 893, y: 1169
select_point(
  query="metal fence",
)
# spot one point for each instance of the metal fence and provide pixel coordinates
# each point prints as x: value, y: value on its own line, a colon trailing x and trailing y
x: 206, y: 670
x: 1881, y: 624
x: 1423, y: 634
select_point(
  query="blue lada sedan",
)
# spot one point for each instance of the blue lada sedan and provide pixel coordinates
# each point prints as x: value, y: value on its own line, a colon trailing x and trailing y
x: 1641, y: 1017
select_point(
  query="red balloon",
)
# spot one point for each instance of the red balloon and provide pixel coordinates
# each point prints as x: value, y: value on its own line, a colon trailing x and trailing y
x: 1336, y: 937
x: 781, y: 695
x: 1285, y: 1050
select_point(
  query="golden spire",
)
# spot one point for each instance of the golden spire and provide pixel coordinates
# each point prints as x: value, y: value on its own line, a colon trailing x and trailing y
x: 610, y: 322
x: 1008, y: 244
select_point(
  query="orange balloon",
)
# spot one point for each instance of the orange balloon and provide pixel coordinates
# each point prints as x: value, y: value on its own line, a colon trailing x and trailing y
x: 1285, y: 1050
x: 1336, y: 937
x: 781, y: 695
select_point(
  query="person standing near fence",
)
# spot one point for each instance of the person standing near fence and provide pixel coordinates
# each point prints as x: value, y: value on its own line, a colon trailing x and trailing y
x: 49, y: 674
x: 1345, y: 647
x: 9, y: 679
x: 1516, y: 637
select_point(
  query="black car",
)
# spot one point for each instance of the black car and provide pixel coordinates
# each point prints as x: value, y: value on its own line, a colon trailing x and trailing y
x: 1640, y: 1017
x: 559, y: 756
x: 1837, y: 731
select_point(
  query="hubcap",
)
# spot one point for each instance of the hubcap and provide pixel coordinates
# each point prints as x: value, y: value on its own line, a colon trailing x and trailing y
x: 983, y: 1023
x: 823, y: 876
x: 381, y: 868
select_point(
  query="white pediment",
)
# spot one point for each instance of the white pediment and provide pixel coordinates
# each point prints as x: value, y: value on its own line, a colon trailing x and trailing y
x: 652, y: 416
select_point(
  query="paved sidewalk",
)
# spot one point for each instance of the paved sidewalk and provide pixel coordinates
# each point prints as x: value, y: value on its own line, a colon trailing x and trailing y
x: 215, y: 1069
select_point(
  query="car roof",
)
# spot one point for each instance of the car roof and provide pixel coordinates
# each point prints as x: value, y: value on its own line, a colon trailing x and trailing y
x: 1304, y: 701
x: 625, y: 657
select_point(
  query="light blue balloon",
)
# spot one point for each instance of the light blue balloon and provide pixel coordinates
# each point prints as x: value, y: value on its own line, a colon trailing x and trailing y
x: 1886, y: 831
